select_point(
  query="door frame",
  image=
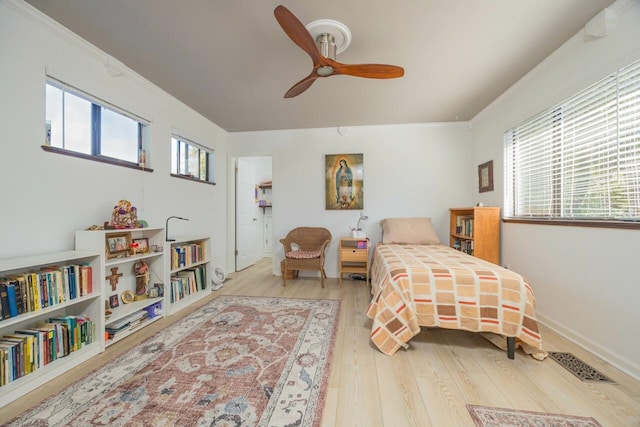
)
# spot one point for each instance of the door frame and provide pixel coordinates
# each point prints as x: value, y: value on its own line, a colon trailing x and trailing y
x: 231, y: 204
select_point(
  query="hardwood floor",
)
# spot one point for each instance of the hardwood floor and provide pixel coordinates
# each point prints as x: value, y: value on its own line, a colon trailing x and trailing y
x: 427, y: 385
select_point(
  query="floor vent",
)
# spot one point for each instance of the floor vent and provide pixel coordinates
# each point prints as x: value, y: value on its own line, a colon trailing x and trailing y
x: 578, y: 368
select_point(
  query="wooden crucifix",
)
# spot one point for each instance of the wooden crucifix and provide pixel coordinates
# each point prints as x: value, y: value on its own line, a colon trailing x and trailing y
x: 113, y: 279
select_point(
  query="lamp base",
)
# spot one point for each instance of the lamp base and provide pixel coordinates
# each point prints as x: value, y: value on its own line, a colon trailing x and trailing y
x: 358, y: 234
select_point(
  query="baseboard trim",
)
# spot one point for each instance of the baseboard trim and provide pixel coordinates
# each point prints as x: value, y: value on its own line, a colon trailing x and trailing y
x: 626, y: 366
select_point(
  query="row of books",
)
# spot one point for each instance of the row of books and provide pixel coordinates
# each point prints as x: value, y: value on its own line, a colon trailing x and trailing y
x: 464, y: 226
x: 188, y: 282
x: 27, y: 350
x: 465, y: 246
x: 27, y: 292
x: 187, y: 254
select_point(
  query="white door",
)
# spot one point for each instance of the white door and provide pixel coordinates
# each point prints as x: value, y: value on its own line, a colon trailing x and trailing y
x: 248, y: 235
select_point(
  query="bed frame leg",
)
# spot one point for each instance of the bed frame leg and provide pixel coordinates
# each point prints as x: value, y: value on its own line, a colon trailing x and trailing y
x: 511, y: 347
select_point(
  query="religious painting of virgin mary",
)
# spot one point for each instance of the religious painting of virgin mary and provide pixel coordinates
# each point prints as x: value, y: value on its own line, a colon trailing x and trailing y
x: 344, y: 181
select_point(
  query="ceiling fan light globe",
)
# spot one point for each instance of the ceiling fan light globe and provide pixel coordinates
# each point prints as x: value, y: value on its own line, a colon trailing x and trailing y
x: 324, y: 71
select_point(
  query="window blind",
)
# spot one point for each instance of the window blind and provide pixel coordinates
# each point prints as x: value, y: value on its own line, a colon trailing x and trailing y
x: 581, y: 158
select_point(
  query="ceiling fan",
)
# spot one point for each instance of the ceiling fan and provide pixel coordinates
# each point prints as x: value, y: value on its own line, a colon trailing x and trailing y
x: 323, y: 55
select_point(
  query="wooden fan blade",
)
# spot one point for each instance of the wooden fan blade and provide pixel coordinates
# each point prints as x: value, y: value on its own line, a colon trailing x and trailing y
x: 370, y: 71
x: 302, y: 85
x: 297, y: 32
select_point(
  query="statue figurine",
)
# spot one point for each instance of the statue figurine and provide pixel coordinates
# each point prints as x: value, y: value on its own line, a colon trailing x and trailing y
x: 141, y: 270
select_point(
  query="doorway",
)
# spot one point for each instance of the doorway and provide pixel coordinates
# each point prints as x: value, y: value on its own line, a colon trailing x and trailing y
x: 252, y: 213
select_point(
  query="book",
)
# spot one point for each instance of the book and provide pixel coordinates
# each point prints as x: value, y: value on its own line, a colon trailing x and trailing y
x: 34, y: 295
x: 86, y: 278
x: 11, y: 297
x: 4, y: 300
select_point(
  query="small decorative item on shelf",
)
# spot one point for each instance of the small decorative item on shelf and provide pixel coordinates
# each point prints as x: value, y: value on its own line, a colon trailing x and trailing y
x: 118, y: 244
x: 153, y: 309
x: 134, y: 248
x: 141, y: 270
x: 113, y: 279
x: 160, y: 288
x: 124, y: 215
x: 142, y: 245
x: 127, y: 296
x: 114, y: 301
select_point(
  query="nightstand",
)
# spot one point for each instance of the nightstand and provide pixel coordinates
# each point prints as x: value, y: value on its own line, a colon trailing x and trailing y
x: 354, y: 257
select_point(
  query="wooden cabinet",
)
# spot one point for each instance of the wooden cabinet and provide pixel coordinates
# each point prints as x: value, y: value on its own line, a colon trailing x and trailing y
x: 189, y: 271
x: 128, y: 312
x: 354, y: 257
x: 79, y: 310
x: 476, y: 231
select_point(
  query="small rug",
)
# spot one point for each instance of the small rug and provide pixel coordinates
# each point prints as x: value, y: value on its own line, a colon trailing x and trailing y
x: 247, y: 361
x: 580, y: 369
x: 485, y: 416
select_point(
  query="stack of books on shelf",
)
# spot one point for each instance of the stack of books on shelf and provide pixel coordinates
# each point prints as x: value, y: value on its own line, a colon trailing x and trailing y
x: 188, y: 282
x: 27, y: 350
x: 126, y: 324
x: 187, y: 254
x: 31, y: 291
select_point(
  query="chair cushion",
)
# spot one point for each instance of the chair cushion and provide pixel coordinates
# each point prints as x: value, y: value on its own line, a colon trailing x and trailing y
x: 300, y: 254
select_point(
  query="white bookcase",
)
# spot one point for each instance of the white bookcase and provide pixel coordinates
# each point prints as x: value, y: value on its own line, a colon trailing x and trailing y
x: 185, y: 257
x: 90, y: 305
x: 127, y: 317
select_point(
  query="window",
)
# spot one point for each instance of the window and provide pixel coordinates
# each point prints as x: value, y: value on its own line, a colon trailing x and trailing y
x: 79, y: 123
x: 579, y: 160
x: 190, y: 160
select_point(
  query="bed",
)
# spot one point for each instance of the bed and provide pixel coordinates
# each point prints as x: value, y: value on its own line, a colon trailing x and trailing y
x: 418, y: 282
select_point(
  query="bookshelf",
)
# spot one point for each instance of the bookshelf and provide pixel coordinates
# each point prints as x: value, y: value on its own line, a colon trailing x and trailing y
x: 83, y: 311
x: 128, y: 312
x: 189, y: 269
x: 476, y: 231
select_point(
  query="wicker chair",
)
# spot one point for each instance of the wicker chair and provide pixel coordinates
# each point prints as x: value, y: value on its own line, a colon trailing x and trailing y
x: 304, y: 249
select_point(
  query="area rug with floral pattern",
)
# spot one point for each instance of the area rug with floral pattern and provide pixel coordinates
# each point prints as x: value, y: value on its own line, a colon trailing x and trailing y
x: 485, y: 416
x: 237, y: 361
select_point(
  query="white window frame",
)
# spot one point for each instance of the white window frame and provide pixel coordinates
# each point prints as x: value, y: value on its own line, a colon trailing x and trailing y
x: 180, y: 164
x: 579, y: 161
x: 142, y: 150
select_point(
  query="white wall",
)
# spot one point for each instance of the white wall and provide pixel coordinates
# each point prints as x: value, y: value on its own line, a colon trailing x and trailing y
x: 46, y: 197
x: 409, y: 170
x: 586, y: 280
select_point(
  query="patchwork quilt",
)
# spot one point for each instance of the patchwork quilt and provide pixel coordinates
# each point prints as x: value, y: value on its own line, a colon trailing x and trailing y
x: 438, y: 286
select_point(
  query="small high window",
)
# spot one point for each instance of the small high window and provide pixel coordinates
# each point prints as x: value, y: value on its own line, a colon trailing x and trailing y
x: 79, y: 123
x: 190, y: 160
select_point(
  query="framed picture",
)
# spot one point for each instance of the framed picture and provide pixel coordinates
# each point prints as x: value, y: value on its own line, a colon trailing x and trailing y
x: 485, y: 177
x: 114, y: 301
x: 344, y: 181
x: 143, y: 245
x: 117, y: 244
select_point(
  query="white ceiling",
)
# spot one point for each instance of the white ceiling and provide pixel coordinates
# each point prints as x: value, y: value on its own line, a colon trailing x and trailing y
x: 232, y: 62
